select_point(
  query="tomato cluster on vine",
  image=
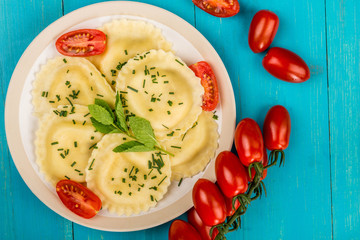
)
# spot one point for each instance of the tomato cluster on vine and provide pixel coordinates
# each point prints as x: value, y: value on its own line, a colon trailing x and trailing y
x: 218, y: 206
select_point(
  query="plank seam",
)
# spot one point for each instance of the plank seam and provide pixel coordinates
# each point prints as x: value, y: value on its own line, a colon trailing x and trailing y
x: 328, y: 100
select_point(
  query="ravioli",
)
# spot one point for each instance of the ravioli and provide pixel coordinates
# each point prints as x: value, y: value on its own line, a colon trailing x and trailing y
x: 195, y: 148
x: 65, y: 81
x: 127, y: 183
x: 64, y: 142
x: 159, y: 87
x: 126, y: 39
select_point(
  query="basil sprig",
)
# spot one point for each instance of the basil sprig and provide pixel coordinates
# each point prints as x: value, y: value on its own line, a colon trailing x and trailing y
x: 107, y: 120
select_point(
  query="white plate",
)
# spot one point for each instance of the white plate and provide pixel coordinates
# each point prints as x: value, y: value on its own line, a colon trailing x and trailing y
x: 20, y: 125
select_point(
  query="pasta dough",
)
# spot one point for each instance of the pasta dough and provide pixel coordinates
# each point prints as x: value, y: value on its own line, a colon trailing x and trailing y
x: 64, y: 81
x: 159, y: 87
x: 64, y: 143
x: 126, y: 39
x: 194, y: 149
x: 126, y: 183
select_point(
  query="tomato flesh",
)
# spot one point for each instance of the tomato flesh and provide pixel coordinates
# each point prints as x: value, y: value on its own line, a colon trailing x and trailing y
x: 181, y: 230
x: 209, y: 202
x: 263, y: 28
x: 219, y: 8
x: 204, y: 231
x: 81, y: 43
x: 79, y: 199
x: 286, y: 65
x: 249, y: 142
x: 231, y: 175
x: 208, y: 80
x: 277, y: 127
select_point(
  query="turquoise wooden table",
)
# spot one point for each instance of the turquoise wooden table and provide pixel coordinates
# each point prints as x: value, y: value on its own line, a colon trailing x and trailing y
x: 315, y: 196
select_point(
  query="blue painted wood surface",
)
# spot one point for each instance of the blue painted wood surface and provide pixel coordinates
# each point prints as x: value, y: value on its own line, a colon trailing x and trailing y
x: 316, y: 195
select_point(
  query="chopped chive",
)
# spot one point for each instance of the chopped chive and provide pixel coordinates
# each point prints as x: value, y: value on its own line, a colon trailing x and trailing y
x: 67, y: 71
x: 113, y: 82
x: 51, y: 101
x: 60, y: 149
x: 91, y: 88
x: 164, y: 126
x: 58, y: 97
x: 73, y: 121
x: 84, y: 122
x: 170, y: 103
x: 75, y: 144
x: 125, y: 170
x: 195, y: 124
x: 129, y: 185
x: 141, y: 185
x: 144, y: 83
x: 133, y: 89
x: 92, y: 146
x: 153, y: 188
x: 54, y: 143
x: 123, y: 92
x: 130, y: 193
x: 80, y: 174
x: 112, y: 179
x: 153, y: 177
x: 90, y: 73
x: 103, y: 75
x: 139, y: 189
x: 77, y: 170
x: 170, y: 134
x: 69, y: 101
x: 181, y: 103
x: 176, y: 147
x: 90, y: 167
x: 152, y: 68
x: 162, y: 180
x: 151, y: 198
x: 179, y: 62
x: 123, y: 180
x: 133, y: 72
x: 92, y: 137
x: 182, y: 139
x: 126, y: 53
x: 73, y: 164
x: 180, y: 182
x: 86, y: 114
x: 149, y: 164
x: 171, y: 93
x: 64, y: 60
x: 131, y: 170
x: 150, y: 110
x: 67, y: 177
x: 62, y: 155
x: 166, y: 81
x: 145, y: 176
x: 168, y: 112
x: 99, y: 95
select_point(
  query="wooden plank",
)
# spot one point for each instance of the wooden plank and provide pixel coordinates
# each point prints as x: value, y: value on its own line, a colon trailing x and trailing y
x: 23, y: 215
x: 343, y: 41
x: 186, y: 11
x: 298, y: 204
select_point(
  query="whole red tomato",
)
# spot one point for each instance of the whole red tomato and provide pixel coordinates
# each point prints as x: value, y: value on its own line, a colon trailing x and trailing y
x: 231, y: 175
x: 263, y: 29
x: 286, y: 65
x: 229, y: 207
x: 209, y: 202
x: 264, y: 162
x: 181, y: 230
x: 277, y: 127
x: 195, y: 220
x: 249, y: 142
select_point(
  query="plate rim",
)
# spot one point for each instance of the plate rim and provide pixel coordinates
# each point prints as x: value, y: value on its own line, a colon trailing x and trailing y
x: 12, y: 121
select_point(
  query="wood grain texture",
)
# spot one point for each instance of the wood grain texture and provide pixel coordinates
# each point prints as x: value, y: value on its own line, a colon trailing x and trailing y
x: 315, y: 196
x: 343, y: 38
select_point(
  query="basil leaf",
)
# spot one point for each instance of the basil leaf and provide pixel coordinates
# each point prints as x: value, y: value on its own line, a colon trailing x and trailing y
x: 101, y: 127
x: 100, y: 114
x: 105, y: 105
x: 143, y: 131
x: 119, y: 112
x: 132, y: 146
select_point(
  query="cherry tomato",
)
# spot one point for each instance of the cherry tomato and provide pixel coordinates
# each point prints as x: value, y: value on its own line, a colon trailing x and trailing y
x: 231, y: 175
x: 208, y: 80
x: 195, y: 220
x: 81, y: 43
x: 263, y: 28
x: 209, y: 202
x: 229, y: 207
x: 277, y: 127
x: 249, y: 142
x: 219, y: 8
x: 79, y: 199
x: 286, y: 65
x: 265, y: 162
x: 181, y: 230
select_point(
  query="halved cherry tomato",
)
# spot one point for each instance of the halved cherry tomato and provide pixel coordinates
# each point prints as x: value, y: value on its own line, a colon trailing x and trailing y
x: 81, y: 43
x: 219, y: 8
x: 208, y: 80
x: 79, y: 199
x: 264, y: 162
x: 263, y: 28
x: 277, y: 127
x: 229, y: 207
x: 209, y: 202
x: 249, y: 142
x: 195, y: 220
x: 231, y: 175
x: 286, y: 65
x: 181, y: 230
